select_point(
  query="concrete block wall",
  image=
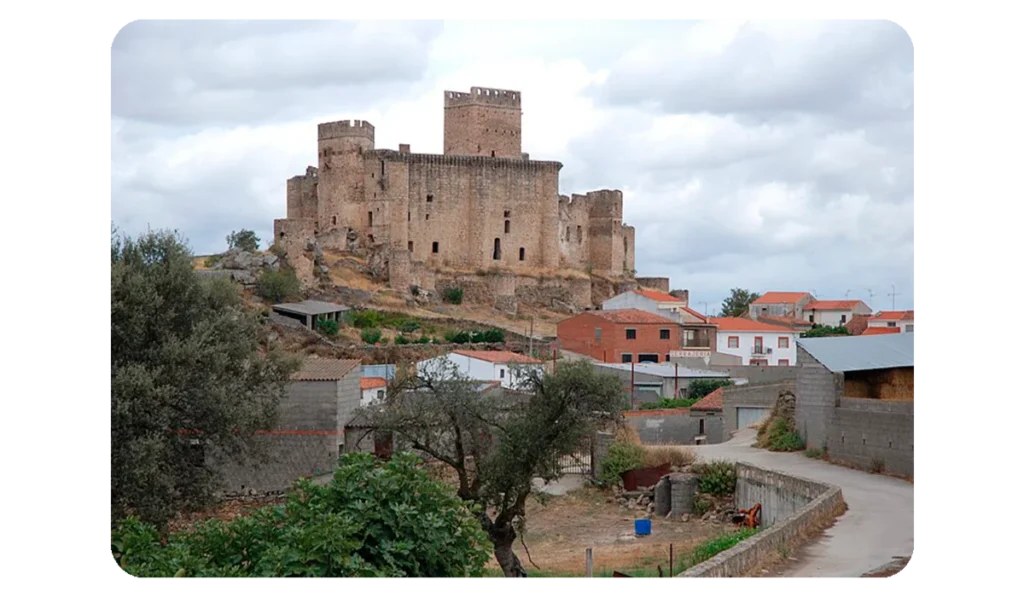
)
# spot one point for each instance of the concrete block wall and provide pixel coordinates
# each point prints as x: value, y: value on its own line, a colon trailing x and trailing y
x: 674, y: 427
x: 761, y: 395
x: 778, y: 493
x: 758, y: 374
x: 817, y: 396
x: 865, y: 430
x: 290, y: 456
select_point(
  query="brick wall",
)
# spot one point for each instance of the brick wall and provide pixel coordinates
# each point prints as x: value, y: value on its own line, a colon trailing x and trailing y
x: 577, y: 334
x: 750, y: 396
x: 866, y: 430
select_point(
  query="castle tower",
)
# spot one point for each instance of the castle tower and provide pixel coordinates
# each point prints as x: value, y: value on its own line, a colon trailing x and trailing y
x: 340, y: 176
x: 486, y: 122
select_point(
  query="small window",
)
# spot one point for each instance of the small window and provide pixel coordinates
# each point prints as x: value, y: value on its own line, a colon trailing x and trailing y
x: 334, y: 220
x: 668, y: 357
x: 597, y: 333
x: 664, y: 334
x: 734, y: 341
x: 892, y: 324
x: 382, y: 169
x: 522, y: 253
x: 281, y: 234
x: 369, y: 214
x: 508, y: 213
x: 579, y: 234
x: 380, y: 394
x: 783, y: 342
x: 910, y: 327
x: 647, y: 358
x: 627, y: 357
x: 508, y: 226
x: 492, y: 153
x: 497, y: 249
x: 568, y: 233
x: 630, y: 334
x: 842, y: 318
x: 409, y: 219
x: 410, y: 246
x: 430, y: 197
x: 783, y: 362
x: 427, y: 217
x: 433, y: 248
x: 501, y: 373
x: 701, y: 432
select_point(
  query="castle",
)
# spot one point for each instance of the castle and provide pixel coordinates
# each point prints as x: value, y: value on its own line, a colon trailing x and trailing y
x: 482, y: 204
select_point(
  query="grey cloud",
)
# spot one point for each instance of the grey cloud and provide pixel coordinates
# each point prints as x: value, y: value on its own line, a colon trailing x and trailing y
x: 201, y: 73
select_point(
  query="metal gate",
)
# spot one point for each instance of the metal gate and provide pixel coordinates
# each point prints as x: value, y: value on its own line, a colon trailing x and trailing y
x: 745, y: 417
x: 579, y: 462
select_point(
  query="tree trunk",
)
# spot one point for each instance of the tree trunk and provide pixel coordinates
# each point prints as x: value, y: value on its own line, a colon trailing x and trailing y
x: 503, y: 538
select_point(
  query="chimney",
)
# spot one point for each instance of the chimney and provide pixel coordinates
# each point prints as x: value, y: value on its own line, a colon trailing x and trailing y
x: 683, y: 295
x: 403, y: 148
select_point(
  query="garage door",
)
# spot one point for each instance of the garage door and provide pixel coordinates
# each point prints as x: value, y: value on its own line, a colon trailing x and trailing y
x: 745, y: 417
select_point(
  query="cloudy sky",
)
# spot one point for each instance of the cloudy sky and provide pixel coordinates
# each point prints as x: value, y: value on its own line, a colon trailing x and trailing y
x: 760, y: 155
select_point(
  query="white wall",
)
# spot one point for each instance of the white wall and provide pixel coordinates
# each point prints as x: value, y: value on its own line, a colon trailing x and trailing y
x: 770, y: 340
x: 371, y: 395
x: 831, y: 318
x: 475, y: 369
x: 901, y: 324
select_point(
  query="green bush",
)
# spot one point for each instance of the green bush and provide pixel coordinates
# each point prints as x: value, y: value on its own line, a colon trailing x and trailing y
x: 817, y: 453
x: 212, y: 260
x: 621, y: 457
x: 452, y: 296
x: 782, y: 436
x: 371, y: 336
x: 328, y: 327
x: 409, y: 326
x: 669, y: 403
x: 700, y: 388
x: 435, y: 341
x: 702, y: 504
x: 277, y: 285
x: 423, y: 340
x: 373, y: 519
x: 821, y: 331
x: 717, y: 477
x: 716, y: 545
x: 244, y: 240
x: 401, y: 340
x: 367, y: 319
x: 456, y: 337
x: 493, y: 336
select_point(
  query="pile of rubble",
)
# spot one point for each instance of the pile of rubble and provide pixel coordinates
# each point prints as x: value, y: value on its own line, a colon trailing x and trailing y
x: 643, y: 501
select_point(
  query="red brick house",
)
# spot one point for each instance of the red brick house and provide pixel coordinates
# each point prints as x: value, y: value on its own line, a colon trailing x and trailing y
x: 620, y: 336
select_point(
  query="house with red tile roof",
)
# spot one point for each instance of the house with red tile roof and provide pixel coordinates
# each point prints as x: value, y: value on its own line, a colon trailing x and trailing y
x: 633, y: 336
x: 698, y: 335
x: 756, y: 342
x: 373, y: 389
x: 780, y: 304
x: 834, y: 313
x: 898, y: 320
x: 502, y: 366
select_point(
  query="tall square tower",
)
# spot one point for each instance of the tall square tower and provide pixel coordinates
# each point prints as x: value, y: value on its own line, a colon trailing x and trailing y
x: 484, y: 122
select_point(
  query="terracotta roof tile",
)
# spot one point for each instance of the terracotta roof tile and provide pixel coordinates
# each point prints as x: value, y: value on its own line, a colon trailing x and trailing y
x: 857, y: 324
x: 833, y: 305
x: 695, y: 314
x: 632, y: 316
x: 713, y: 401
x: 368, y: 383
x: 894, y: 316
x: 770, y: 298
x: 657, y: 295
x: 786, y: 321
x: 324, y: 369
x: 877, y: 331
x: 498, y: 356
x: 740, y: 324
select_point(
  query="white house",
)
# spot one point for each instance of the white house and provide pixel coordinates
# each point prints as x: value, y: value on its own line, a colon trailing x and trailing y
x: 373, y: 388
x: 834, y: 313
x: 483, y: 365
x: 756, y: 342
x: 901, y: 320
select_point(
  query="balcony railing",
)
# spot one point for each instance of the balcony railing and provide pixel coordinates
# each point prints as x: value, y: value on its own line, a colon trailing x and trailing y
x: 760, y: 350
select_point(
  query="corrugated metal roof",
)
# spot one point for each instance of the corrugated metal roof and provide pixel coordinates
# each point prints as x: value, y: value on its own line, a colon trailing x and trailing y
x: 861, y: 353
x: 663, y: 370
x: 310, y: 307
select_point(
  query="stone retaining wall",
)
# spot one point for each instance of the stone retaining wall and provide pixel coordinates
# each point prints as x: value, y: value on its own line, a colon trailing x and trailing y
x: 792, y: 510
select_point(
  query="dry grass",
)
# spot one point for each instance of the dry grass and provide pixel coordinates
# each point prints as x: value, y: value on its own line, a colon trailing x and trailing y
x: 676, y: 456
x: 627, y: 435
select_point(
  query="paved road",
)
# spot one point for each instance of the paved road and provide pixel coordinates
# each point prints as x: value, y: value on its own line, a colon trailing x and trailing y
x: 878, y: 526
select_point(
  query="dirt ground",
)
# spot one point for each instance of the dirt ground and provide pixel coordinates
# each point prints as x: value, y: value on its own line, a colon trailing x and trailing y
x: 558, y: 533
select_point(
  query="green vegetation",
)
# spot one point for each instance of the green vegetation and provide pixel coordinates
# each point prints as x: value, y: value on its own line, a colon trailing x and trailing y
x: 669, y: 403
x: 738, y: 302
x: 780, y: 435
x: 493, y: 336
x: 700, y: 388
x: 213, y: 260
x: 277, y: 285
x: 401, y: 340
x: 371, y: 336
x: 244, y: 240
x: 187, y: 376
x: 820, y: 331
x: 817, y: 453
x: 714, y: 546
x: 702, y: 504
x: 452, y: 296
x: 373, y: 519
x: 622, y: 457
x: 423, y: 340
x: 328, y: 327
x: 717, y: 477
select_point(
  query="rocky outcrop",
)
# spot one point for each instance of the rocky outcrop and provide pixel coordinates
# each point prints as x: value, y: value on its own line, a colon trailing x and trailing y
x: 244, y: 267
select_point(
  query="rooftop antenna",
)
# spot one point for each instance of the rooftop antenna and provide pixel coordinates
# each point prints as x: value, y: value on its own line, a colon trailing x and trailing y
x: 871, y: 296
x: 705, y: 303
x: 893, y: 295
x: 848, y: 293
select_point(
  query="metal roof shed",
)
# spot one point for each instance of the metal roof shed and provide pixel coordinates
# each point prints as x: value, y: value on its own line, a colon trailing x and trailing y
x: 840, y: 354
x: 309, y: 311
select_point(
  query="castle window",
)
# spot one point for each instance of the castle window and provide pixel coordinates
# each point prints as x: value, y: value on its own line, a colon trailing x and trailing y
x: 433, y: 248
x: 492, y: 153
x: 507, y: 226
x: 568, y: 233
x: 522, y: 254
x: 508, y: 213
x: 579, y: 234
x: 410, y: 216
x: 382, y: 169
x: 430, y: 197
x: 427, y: 217
x: 281, y: 235
x: 370, y: 215
x: 497, y: 249
x: 410, y: 246
x: 370, y: 236
x: 334, y: 220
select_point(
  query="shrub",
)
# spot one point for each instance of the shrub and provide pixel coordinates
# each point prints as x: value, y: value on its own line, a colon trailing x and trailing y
x: 717, y: 477
x: 435, y: 341
x: 409, y: 326
x: 658, y: 455
x: 277, y: 250
x: 700, y: 388
x: 423, y: 340
x: 702, y: 504
x: 370, y: 336
x: 277, y: 285
x: 328, y: 327
x: 669, y: 403
x: 245, y: 240
x: 401, y: 340
x: 373, y: 519
x: 781, y: 436
x: 716, y: 545
x: 414, y: 290
x: 815, y: 453
x: 367, y: 319
x: 877, y: 466
x: 212, y: 260
x: 456, y: 337
x: 621, y: 457
x: 452, y: 296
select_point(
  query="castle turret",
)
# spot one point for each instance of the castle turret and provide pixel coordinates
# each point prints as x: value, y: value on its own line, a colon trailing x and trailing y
x: 485, y: 122
x: 340, y: 148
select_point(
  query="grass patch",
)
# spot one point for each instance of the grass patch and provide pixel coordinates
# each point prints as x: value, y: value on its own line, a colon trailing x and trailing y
x: 658, y: 455
x: 817, y: 453
x: 714, y: 546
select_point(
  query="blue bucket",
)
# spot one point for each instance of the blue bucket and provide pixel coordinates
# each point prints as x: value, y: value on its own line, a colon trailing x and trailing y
x: 642, y: 526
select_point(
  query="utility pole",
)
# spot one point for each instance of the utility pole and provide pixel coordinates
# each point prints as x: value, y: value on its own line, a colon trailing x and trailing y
x: 893, y: 295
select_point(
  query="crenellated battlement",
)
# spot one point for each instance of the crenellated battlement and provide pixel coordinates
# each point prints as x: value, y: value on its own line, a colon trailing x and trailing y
x: 483, y: 96
x: 345, y: 128
x: 464, y: 160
